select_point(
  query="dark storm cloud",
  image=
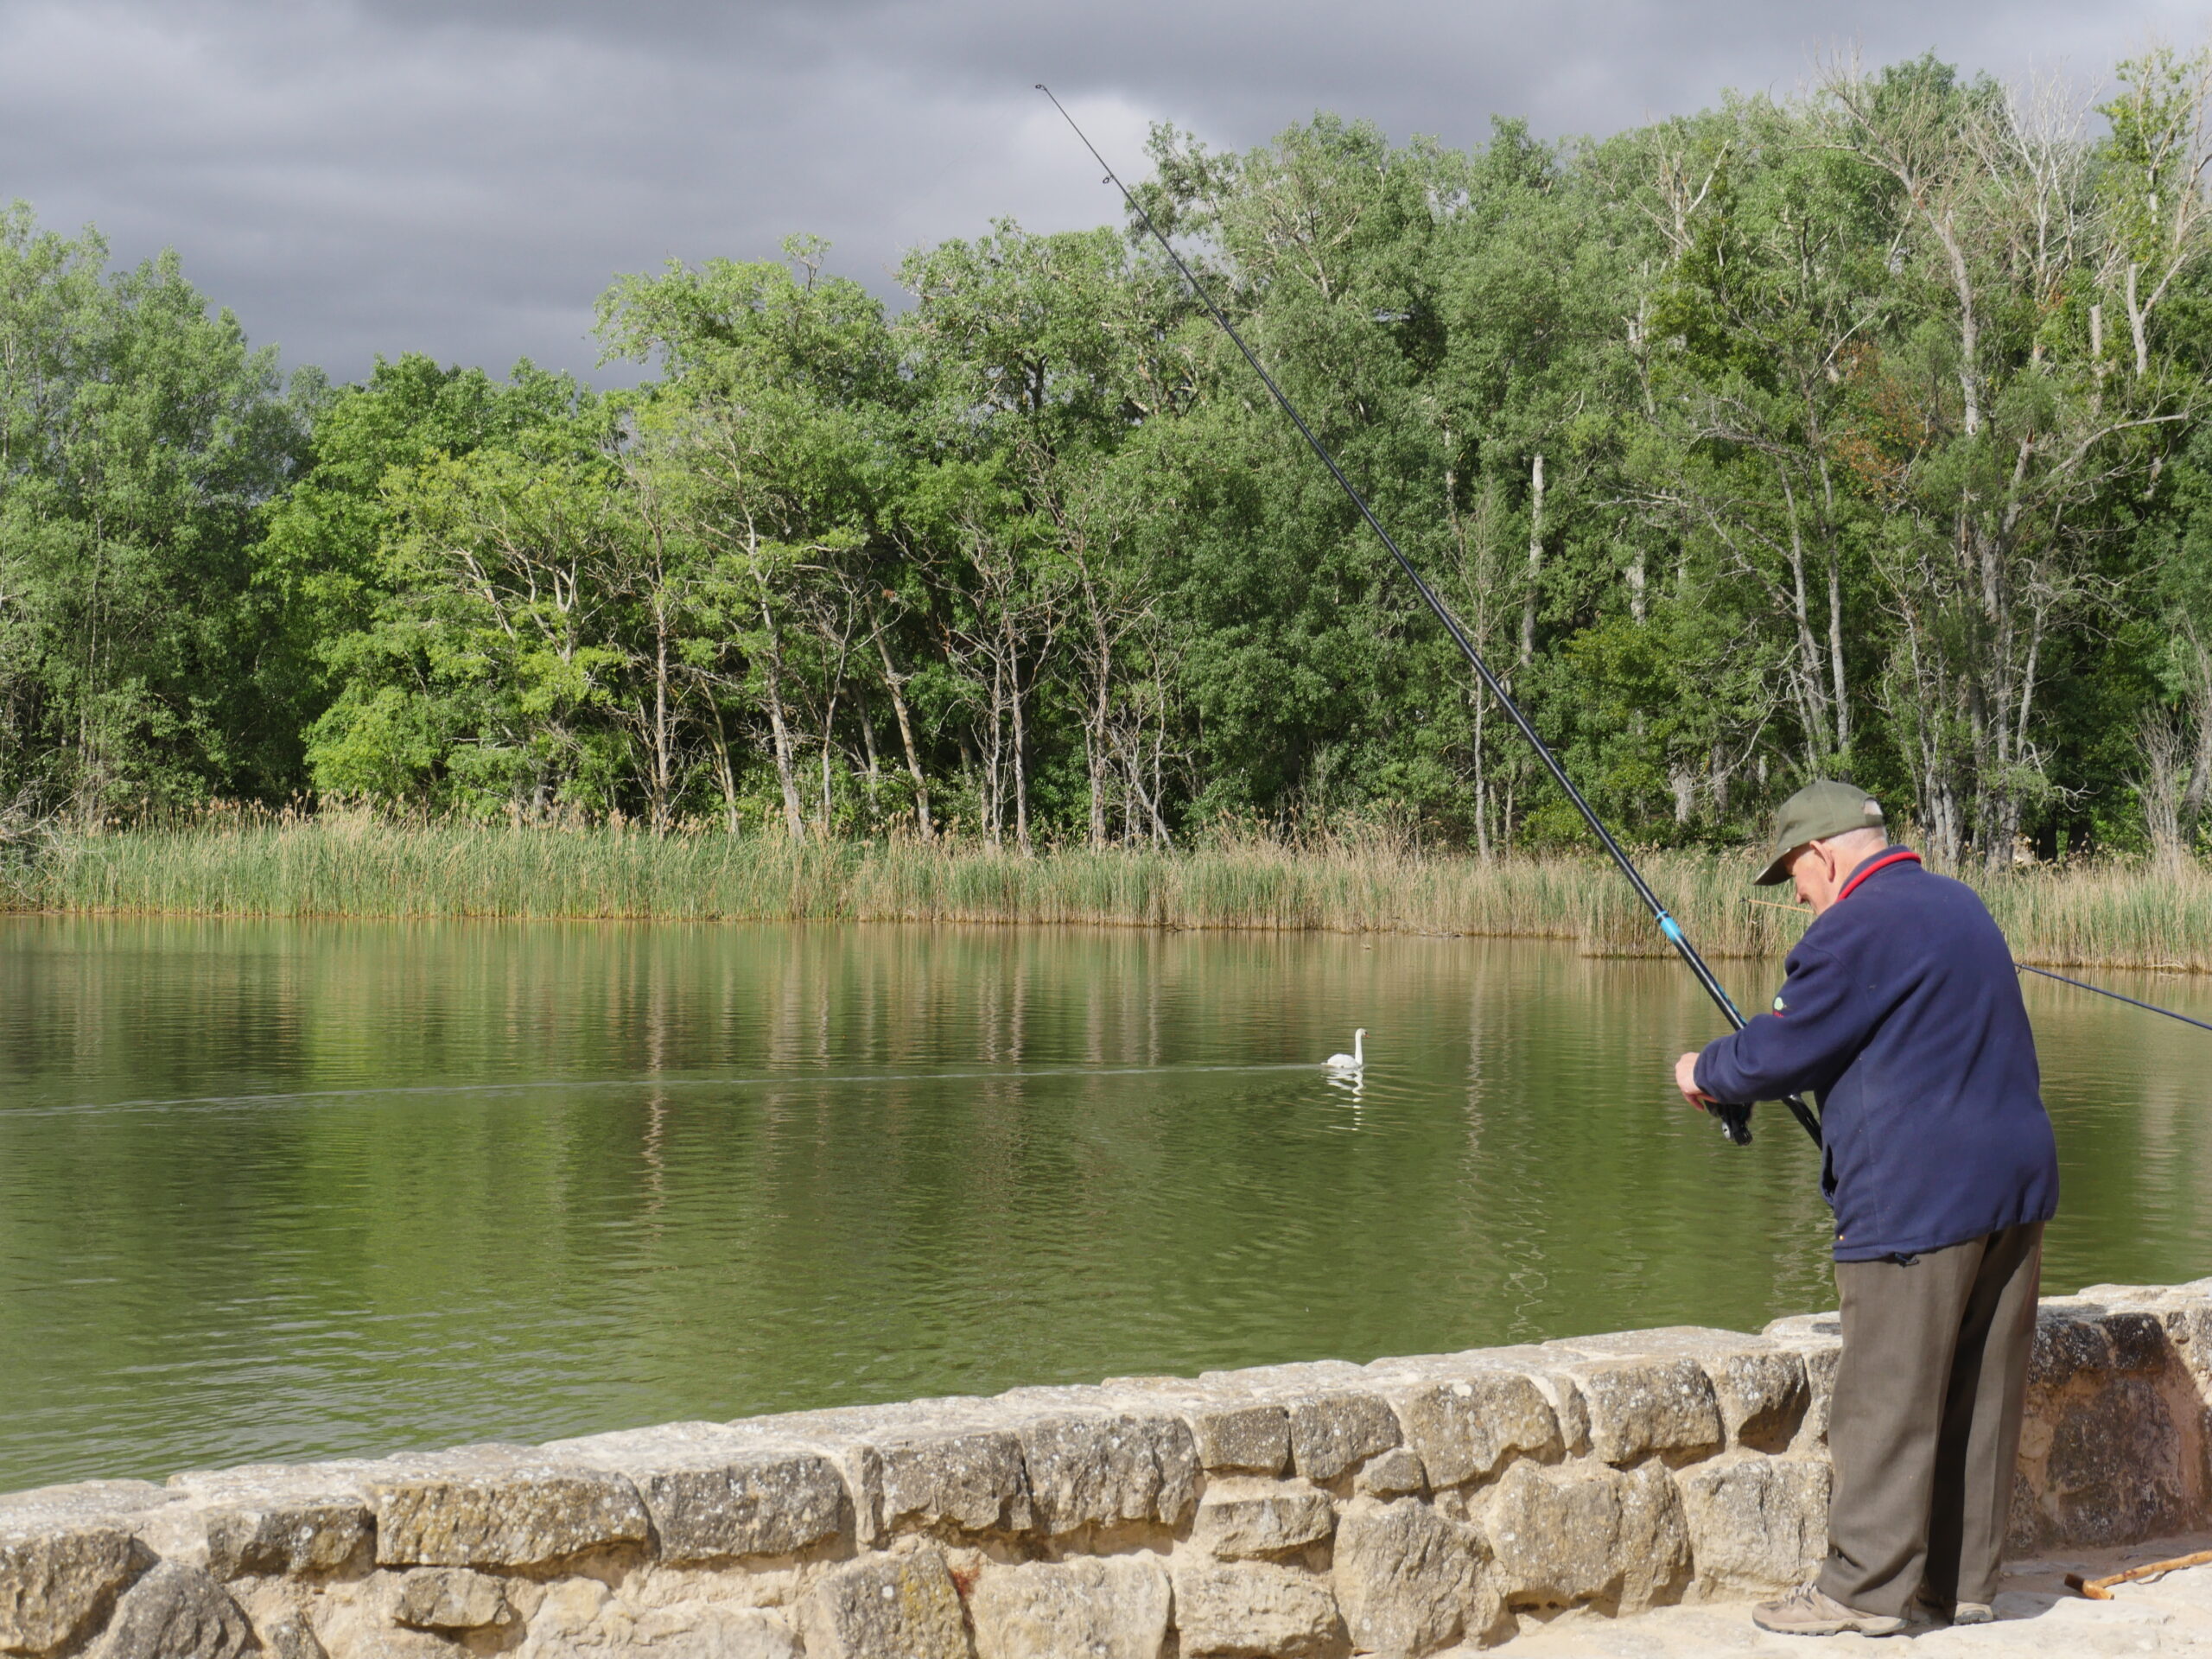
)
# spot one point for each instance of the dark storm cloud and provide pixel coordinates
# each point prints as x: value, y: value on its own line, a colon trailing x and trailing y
x: 353, y: 176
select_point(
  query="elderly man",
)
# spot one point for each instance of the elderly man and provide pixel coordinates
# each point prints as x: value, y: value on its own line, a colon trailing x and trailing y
x: 1902, y: 1008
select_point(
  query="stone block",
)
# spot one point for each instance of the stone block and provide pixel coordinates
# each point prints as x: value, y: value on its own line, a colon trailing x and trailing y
x: 1465, y: 1420
x: 2137, y: 1340
x: 719, y: 1633
x: 2184, y: 1311
x: 1758, y: 1384
x: 449, y: 1598
x: 1540, y: 1367
x: 500, y: 1506
x: 1233, y: 1434
x: 1111, y: 1608
x: 1817, y: 1340
x: 1395, y: 1473
x: 1640, y: 1407
x: 1240, y: 1439
x: 2189, y: 1328
x: 290, y: 1635
x: 1586, y: 1532
x: 176, y: 1611
x: 1755, y: 1523
x: 1255, y: 1611
x: 1655, y: 1541
x: 970, y: 1480
x: 2069, y: 1344
x: 272, y: 1518
x: 952, y: 1465
x: 1250, y: 1518
x: 1336, y: 1430
x: 901, y: 1606
x: 116, y: 1500
x: 715, y: 1493
x: 66, y: 1551
x: 1095, y: 1468
x: 1337, y: 1419
x: 682, y: 1630
x: 2114, y: 1473
x: 1409, y: 1581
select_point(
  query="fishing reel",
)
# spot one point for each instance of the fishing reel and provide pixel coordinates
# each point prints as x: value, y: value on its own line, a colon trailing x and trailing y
x: 1735, y: 1120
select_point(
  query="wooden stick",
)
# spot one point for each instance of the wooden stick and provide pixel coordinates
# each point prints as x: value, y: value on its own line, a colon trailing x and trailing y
x: 2100, y: 1589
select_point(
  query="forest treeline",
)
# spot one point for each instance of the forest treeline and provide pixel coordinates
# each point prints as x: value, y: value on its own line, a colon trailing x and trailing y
x: 1865, y: 432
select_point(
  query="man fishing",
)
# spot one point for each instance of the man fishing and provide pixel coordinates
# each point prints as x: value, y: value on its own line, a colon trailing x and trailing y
x: 1900, y: 1007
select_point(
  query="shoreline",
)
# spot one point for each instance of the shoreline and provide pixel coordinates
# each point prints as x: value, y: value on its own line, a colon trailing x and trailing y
x: 2106, y: 915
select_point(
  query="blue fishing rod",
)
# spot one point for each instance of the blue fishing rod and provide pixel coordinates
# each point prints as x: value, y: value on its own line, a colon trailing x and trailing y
x: 1735, y: 1119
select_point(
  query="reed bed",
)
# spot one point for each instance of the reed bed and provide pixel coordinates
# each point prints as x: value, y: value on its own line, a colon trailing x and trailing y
x: 2114, y: 915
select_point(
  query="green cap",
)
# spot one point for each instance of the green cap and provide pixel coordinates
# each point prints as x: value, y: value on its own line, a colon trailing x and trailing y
x: 1822, y: 809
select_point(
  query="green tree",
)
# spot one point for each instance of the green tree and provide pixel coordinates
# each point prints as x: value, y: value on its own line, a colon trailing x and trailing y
x: 140, y: 439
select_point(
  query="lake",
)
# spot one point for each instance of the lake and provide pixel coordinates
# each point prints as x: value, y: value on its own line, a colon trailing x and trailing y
x: 285, y: 1190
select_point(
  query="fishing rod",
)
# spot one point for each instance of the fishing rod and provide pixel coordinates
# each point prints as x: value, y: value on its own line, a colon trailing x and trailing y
x: 2083, y: 985
x: 2027, y: 968
x: 1735, y: 1120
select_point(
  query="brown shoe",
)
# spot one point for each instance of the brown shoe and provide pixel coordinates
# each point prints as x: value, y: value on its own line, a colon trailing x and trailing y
x: 1927, y: 1613
x: 1807, y: 1610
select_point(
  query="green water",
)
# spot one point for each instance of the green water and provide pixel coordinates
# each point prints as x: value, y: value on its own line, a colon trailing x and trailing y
x: 293, y: 1189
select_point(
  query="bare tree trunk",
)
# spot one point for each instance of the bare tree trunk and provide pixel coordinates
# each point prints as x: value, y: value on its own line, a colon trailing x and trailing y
x: 2135, y: 322
x: 1158, y: 754
x: 1535, y: 562
x: 1094, y: 761
x: 895, y: 683
x: 1812, y: 696
x: 1835, y: 650
x: 663, y: 780
x: 2200, y: 770
x: 1021, y: 773
x: 725, y: 773
x: 871, y: 770
x: 993, y: 754
x: 1482, y: 782
x: 828, y: 731
x: 771, y: 674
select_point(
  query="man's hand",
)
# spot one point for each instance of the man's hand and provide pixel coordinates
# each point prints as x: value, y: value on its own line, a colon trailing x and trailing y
x: 1685, y: 1080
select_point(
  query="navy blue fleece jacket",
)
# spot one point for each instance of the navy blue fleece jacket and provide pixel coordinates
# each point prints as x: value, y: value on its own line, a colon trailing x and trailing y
x: 1902, y: 1009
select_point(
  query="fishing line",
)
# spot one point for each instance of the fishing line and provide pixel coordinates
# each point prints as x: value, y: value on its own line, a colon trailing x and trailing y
x: 1735, y: 1120
x: 803, y: 1079
x: 2026, y: 967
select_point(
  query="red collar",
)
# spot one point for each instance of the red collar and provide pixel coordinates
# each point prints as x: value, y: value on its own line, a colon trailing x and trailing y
x: 1865, y: 870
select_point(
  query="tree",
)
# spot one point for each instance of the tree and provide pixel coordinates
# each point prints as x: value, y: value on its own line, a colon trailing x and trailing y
x: 140, y: 439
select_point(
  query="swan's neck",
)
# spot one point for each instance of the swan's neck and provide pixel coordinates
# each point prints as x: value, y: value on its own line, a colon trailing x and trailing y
x: 1358, y: 1048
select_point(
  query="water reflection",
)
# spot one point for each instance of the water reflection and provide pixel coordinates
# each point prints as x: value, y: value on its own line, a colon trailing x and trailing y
x: 279, y: 1190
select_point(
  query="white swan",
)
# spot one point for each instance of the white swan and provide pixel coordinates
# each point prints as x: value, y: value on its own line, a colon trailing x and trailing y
x: 1355, y: 1061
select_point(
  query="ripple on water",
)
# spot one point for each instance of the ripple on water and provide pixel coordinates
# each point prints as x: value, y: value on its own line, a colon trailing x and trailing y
x: 293, y: 1190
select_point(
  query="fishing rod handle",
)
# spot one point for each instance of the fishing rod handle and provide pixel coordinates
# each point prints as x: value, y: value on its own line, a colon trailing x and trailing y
x: 1735, y: 1120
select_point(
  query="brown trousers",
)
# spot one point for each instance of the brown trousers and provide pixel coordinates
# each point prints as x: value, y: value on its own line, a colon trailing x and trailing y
x: 1925, y: 1425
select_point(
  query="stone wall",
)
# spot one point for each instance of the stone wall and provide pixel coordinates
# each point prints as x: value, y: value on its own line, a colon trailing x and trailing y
x: 1408, y: 1506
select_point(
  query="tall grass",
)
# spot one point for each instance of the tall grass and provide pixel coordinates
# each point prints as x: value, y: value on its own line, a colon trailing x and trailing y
x: 358, y: 867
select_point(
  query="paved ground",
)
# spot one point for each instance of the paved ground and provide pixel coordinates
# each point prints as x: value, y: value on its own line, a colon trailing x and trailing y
x: 2036, y: 1615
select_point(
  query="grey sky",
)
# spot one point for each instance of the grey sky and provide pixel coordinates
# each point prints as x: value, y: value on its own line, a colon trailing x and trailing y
x: 355, y: 176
